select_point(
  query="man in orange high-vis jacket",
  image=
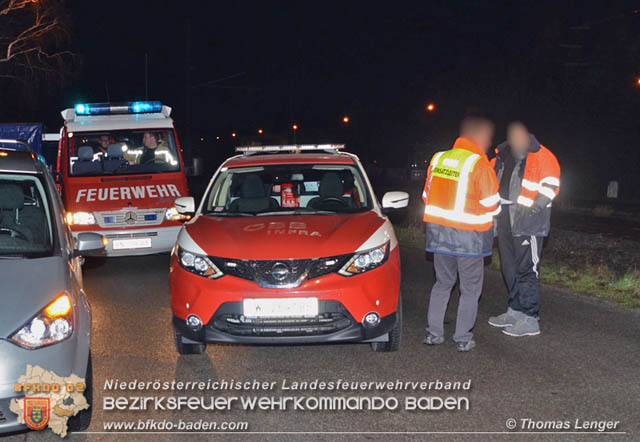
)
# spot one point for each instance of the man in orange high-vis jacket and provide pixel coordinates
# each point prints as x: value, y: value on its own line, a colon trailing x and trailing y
x: 461, y: 198
x: 529, y: 177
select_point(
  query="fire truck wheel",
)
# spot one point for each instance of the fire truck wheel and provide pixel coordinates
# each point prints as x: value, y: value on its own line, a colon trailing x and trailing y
x: 187, y: 349
x: 395, y: 335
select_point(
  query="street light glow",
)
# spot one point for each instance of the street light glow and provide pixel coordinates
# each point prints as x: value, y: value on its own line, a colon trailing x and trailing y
x: 260, y: 131
x: 294, y: 127
x: 233, y: 134
x: 431, y: 107
x: 345, y: 119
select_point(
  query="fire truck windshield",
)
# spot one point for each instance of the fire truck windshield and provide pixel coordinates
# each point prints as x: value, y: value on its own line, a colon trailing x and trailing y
x: 122, y: 152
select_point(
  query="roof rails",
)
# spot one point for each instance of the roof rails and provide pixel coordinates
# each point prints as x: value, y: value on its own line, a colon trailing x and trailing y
x: 249, y: 150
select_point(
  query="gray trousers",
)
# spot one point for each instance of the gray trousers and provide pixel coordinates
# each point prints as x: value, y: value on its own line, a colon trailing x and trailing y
x: 471, y: 271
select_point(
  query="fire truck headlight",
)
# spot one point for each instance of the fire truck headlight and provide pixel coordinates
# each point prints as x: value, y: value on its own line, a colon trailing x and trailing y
x: 198, y: 264
x: 364, y: 261
x: 53, y: 324
x: 173, y: 215
x: 80, y: 218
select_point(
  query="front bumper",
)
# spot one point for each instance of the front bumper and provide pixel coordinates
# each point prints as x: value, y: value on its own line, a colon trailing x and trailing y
x: 162, y: 239
x: 334, y: 325
x: 343, y: 301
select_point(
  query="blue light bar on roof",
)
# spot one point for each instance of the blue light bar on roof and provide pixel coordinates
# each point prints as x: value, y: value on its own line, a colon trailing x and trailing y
x: 132, y: 107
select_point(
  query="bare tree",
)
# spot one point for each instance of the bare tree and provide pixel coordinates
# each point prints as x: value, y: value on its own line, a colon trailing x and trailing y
x: 34, y: 41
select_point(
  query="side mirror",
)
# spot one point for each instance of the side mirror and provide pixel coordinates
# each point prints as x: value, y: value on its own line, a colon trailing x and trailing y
x: 395, y: 200
x: 90, y: 243
x: 195, y: 169
x: 185, y: 205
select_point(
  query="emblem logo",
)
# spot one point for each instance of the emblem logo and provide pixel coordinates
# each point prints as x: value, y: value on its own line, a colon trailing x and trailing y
x: 36, y: 412
x: 280, y: 271
x: 130, y: 217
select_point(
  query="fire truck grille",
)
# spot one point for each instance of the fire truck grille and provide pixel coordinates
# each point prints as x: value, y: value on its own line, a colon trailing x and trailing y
x: 285, y: 273
x: 132, y: 217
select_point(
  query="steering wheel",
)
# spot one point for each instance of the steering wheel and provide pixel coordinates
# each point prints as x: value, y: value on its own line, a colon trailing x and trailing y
x: 332, y: 199
x: 13, y: 233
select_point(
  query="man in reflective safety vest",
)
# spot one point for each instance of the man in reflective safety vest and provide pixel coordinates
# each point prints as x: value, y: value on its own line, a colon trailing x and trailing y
x: 529, y: 177
x: 461, y: 198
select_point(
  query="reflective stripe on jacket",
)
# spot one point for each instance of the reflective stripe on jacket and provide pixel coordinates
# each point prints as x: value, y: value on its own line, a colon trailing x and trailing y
x: 461, y: 198
x: 539, y: 184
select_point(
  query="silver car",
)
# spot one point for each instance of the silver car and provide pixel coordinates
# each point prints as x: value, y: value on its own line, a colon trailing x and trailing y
x: 44, y: 315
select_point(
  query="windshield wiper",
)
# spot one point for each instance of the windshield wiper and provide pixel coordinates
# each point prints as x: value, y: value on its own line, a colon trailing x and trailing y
x: 297, y: 212
x: 231, y: 214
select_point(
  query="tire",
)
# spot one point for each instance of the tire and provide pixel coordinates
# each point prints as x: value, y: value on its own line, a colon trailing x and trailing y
x: 395, y: 334
x: 187, y: 349
x: 81, y: 421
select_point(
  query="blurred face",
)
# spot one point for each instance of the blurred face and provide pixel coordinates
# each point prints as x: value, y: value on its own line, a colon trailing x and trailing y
x: 483, y: 137
x: 519, y: 139
x: 104, y: 141
x: 149, y: 140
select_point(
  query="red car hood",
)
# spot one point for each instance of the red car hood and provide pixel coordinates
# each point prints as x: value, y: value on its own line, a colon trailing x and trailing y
x: 283, y: 237
x: 115, y: 192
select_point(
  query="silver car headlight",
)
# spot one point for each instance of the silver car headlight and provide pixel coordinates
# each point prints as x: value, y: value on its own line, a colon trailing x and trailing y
x: 198, y: 264
x: 366, y: 260
x: 53, y: 324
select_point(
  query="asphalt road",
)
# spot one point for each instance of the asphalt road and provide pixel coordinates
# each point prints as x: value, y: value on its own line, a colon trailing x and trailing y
x: 584, y: 366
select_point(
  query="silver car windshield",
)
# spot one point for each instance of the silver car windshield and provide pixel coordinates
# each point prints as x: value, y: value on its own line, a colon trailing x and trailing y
x: 322, y: 189
x: 25, y: 217
x: 122, y: 152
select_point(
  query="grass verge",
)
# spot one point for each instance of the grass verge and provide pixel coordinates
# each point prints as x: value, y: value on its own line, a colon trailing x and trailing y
x: 600, y: 280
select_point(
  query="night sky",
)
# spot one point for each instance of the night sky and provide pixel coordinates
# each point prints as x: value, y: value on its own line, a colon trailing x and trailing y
x: 567, y: 68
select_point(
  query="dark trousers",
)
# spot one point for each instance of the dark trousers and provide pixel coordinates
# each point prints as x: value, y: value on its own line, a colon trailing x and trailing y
x: 520, y: 263
x: 448, y: 268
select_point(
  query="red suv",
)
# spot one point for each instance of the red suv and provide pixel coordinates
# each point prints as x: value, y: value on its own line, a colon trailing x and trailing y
x: 289, y: 245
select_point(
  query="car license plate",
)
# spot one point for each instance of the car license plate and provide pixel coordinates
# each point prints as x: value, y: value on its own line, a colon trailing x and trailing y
x: 280, y: 307
x: 131, y: 243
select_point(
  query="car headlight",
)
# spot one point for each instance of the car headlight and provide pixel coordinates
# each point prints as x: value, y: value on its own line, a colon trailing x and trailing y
x: 172, y: 214
x: 53, y: 324
x: 80, y: 218
x: 198, y: 264
x: 364, y: 261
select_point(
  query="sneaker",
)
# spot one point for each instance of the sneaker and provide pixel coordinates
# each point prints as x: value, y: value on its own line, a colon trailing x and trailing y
x: 525, y: 326
x: 465, y: 346
x: 430, y: 339
x: 506, y: 319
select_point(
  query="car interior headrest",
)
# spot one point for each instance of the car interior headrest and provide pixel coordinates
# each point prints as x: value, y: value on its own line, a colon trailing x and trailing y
x: 252, y: 187
x: 85, y: 153
x: 114, y: 151
x: 11, y: 196
x: 331, y: 185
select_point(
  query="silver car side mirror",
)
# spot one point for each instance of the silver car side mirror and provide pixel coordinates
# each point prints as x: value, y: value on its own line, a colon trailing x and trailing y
x: 185, y: 205
x: 90, y: 243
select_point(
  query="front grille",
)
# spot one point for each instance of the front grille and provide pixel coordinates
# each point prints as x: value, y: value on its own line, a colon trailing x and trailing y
x: 130, y: 217
x: 332, y: 317
x: 286, y: 273
x: 133, y: 234
x: 2, y: 417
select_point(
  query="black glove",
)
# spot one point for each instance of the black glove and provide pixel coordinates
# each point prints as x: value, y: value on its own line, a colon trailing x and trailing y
x: 540, y: 203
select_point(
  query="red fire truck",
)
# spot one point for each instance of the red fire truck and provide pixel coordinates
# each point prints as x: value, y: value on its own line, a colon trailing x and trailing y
x: 119, y: 170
